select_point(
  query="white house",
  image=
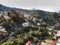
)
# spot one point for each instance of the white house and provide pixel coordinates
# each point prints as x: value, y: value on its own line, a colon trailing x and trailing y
x: 58, y: 33
x: 38, y: 23
x: 26, y: 15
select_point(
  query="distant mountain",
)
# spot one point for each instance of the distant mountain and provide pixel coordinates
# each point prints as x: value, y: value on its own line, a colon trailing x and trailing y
x: 2, y: 7
x: 40, y: 12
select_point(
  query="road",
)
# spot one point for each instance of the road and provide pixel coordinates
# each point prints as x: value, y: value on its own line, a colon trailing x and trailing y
x: 11, y: 35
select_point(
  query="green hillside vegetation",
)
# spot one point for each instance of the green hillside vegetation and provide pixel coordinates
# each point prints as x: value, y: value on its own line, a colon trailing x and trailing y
x: 46, y: 19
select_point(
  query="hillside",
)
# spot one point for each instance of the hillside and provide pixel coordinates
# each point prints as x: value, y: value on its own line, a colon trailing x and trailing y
x: 20, y: 24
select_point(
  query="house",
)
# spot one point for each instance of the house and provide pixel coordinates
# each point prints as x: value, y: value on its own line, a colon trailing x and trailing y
x: 56, y: 31
x: 1, y: 27
x: 5, y: 13
x: 7, y: 17
x: 38, y: 23
x: 27, y: 16
x: 3, y: 31
x: 1, y: 34
x: 51, y: 28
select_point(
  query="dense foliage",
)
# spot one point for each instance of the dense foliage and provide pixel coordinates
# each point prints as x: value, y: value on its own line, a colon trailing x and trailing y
x: 45, y: 19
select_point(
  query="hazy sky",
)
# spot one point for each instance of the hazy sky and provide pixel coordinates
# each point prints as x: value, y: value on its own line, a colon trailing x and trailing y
x: 47, y: 5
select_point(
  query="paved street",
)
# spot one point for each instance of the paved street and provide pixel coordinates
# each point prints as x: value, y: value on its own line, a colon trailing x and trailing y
x: 11, y: 35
